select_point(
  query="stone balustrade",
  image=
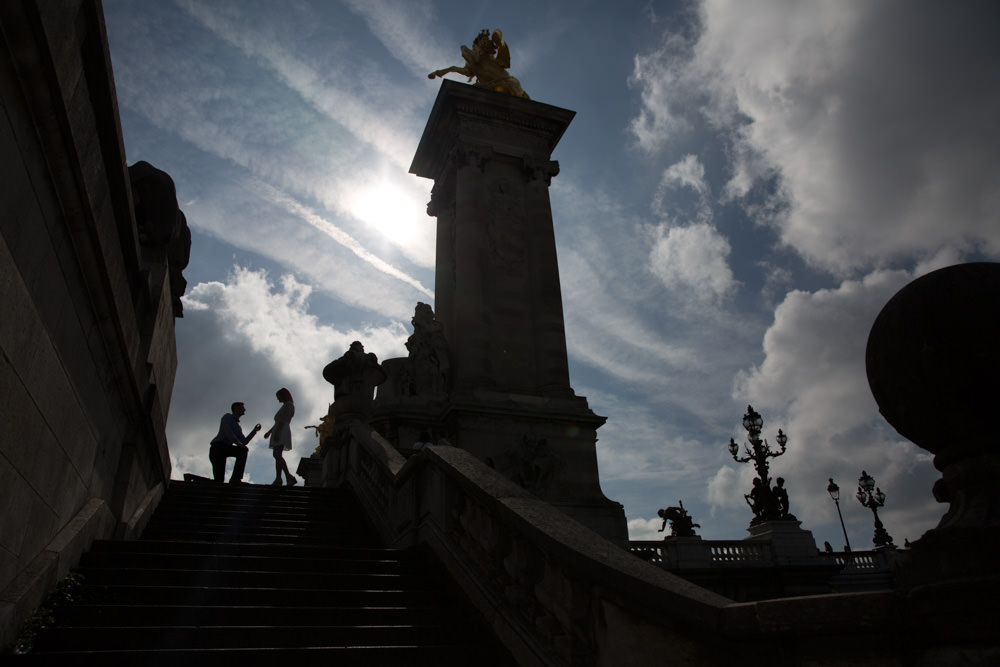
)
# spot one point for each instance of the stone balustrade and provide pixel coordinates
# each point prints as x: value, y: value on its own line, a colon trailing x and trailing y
x: 556, y: 593
x: 679, y: 553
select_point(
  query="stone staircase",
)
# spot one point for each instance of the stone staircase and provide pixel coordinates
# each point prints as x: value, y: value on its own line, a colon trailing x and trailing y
x: 256, y: 575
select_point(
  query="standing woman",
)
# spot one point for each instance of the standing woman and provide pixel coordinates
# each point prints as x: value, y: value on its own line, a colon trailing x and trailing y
x: 281, y: 436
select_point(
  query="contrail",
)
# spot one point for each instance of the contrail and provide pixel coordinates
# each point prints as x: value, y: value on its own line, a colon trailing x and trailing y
x: 341, y: 237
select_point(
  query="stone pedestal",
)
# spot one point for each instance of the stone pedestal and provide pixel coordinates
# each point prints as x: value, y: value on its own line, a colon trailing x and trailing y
x: 686, y: 553
x: 790, y: 543
x: 499, y: 303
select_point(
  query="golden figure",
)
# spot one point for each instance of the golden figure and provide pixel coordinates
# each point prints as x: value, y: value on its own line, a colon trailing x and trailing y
x: 487, y: 62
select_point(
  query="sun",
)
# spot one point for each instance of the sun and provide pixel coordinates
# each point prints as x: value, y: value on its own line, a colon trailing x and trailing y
x: 392, y: 211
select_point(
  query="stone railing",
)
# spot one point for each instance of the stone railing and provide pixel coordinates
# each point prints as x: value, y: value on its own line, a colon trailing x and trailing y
x: 680, y: 553
x: 556, y: 593
x: 713, y: 564
x: 868, y: 561
x: 529, y: 568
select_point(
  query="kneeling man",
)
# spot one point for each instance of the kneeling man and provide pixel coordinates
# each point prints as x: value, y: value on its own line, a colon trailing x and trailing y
x: 231, y: 442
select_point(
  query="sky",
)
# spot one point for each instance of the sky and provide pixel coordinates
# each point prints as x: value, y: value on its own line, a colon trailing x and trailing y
x: 744, y: 186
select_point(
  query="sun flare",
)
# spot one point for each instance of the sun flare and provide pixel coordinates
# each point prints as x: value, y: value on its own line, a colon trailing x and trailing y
x: 390, y: 210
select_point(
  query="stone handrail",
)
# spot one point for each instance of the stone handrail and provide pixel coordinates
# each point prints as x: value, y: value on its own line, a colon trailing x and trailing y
x: 554, y: 592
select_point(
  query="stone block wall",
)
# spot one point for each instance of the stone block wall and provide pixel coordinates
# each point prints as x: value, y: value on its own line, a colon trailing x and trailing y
x: 87, y: 353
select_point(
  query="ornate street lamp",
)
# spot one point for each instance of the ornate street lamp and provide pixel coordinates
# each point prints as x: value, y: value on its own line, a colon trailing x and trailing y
x: 834, y: 492
x: 873, y: 500
x: 767, y: 504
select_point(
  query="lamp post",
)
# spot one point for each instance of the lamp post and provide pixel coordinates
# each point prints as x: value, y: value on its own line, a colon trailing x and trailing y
x: 873, y: 500
x: 762, y: 499
x: 834, y: 492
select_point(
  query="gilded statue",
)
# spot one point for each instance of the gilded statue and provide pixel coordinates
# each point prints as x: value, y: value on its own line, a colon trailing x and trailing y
x: 487, y: 62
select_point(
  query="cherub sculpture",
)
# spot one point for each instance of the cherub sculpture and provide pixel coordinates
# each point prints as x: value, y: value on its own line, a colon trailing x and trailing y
x: 487, y: 62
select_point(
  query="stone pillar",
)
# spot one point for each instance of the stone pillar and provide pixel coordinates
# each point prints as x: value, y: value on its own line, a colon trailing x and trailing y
x: 497, y: 285
x: 499, y: 301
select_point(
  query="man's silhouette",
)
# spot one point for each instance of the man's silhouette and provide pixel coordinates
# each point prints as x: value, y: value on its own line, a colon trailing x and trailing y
x: 231, y: 442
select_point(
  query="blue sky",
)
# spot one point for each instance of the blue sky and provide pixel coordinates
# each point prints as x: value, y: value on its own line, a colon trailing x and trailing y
x: 744, y: 186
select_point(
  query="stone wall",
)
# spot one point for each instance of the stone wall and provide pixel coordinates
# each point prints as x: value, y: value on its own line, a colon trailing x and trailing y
x: 87, y: 354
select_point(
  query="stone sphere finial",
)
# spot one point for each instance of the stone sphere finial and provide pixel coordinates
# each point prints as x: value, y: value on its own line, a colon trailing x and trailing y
x: 933, y: 363
x: 933, y: 356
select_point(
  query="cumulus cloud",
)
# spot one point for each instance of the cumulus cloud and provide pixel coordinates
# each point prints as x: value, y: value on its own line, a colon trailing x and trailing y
x: 692, y: 259
x: 688, y: 253
x: 872, y: 123
x: 646, y: 529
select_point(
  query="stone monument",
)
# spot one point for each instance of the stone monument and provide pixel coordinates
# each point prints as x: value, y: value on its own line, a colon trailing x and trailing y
x: 489, y: 368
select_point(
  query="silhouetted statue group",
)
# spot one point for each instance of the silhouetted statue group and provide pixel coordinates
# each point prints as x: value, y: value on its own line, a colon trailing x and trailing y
x: 769, y: 504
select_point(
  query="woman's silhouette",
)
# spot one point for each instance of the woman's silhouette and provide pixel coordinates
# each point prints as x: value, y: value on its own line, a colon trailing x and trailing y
x: 281, y: 436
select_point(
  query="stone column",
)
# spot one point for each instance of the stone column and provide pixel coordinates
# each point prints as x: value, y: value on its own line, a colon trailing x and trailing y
x: 499, y: 302
x: 497, y: 285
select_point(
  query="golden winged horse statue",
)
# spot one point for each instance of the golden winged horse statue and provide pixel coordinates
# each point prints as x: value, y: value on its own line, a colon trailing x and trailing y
x: 487, y: 62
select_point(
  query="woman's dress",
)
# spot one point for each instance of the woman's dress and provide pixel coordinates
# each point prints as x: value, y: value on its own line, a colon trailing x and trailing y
x: 281, y: 434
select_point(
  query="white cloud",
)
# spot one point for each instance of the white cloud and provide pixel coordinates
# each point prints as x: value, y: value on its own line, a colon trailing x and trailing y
x: 657, y: 75
x: 689, y: 172
x: 874, y: 122
x: 725, y: 490
x: 646, y: 529
x: 672, y: 202
x: 693, y: 260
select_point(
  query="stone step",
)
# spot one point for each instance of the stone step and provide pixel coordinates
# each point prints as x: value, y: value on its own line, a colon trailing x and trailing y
x: 289, y: 580
x: 297, y: 499
x: 340, y: 656
x: 214, y: 596
x: 264, y: 525
x: 254, y: 575
x: 274, y: 536
x: 223, y: 637
x: 195, y: 511
x: 342, y: 552
x: 86, y: 615
x: 250, y: 563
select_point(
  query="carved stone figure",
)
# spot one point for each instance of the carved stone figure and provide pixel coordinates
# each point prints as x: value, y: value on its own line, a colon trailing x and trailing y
x: 681, y: 523
x: 532, y: 465
x: 161, y: 224
x: 428, y: 352
x: 487, y: 62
